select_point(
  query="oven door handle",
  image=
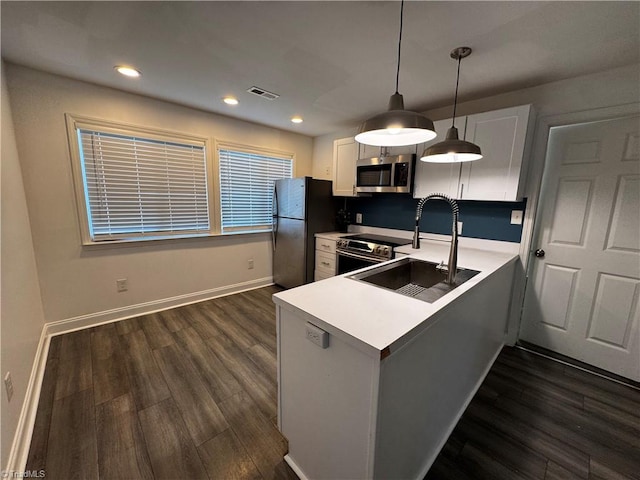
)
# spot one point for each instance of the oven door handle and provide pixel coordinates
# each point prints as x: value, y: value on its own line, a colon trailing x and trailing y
x: 361, y: 257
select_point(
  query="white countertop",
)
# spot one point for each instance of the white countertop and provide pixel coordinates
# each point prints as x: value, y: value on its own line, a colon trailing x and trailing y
x: 371, y: 317
x: 332, y: 235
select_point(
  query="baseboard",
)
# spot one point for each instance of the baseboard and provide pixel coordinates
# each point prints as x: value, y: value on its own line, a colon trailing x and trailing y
x: 24, y: 430
x: 294, y: 466
x: 22, y: 438
x: 122, y: 313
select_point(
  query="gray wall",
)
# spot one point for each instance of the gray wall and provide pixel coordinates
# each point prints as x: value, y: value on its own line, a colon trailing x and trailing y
x: 21, y: 316
x: 77, y: 280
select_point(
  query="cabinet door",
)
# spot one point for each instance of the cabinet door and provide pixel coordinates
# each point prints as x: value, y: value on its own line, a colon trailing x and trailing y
x: 501, y: 135
x: 345, y: 155
x: 438, y: 177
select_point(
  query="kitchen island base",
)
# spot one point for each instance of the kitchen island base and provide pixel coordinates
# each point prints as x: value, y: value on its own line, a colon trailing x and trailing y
x: 353, y: 411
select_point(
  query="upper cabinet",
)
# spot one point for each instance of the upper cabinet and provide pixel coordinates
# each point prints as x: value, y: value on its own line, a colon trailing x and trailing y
x: 438, y: 177
x: 345, y: 156
x: 499, y: 175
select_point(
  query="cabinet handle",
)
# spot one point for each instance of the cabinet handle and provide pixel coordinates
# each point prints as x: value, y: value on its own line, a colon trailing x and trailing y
x: 326, y: 246
x: 461, y: 190
x: 325, y: 263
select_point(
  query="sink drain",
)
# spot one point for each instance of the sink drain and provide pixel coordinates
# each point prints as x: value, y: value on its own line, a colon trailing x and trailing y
x: 411, y: 290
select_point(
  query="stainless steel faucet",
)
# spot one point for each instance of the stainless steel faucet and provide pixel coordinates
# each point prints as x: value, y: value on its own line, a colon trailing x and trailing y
x: 452, y: 267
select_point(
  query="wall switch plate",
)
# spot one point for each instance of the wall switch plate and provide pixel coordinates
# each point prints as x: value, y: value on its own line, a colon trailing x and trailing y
x: 8, y: 385
x: 460, y: 228
x: 317, y: 335
x: 250, y: 263
x: 122, y: 285
x: 516, y: 217
x: 358, y: 218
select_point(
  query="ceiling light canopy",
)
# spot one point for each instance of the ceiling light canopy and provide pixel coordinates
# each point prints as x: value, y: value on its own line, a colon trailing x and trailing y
x: 128, y: 71
x: 396, y: 126
x: 452, y: 149
x: 229, y: 100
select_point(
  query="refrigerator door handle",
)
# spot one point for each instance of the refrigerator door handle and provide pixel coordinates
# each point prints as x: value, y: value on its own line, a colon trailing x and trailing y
x: 274, y: 222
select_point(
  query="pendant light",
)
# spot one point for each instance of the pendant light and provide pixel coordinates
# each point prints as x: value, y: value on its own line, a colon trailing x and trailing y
x: 452, y: 149
x: 396, y: 126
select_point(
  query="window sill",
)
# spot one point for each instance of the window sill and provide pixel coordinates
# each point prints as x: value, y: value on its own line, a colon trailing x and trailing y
x: 162, y: 240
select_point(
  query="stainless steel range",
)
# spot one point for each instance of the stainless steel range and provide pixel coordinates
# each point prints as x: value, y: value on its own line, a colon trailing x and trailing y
x: 363, y: 250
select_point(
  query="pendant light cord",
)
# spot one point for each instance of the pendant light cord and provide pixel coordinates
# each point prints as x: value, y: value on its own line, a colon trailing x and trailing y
x: 399, y: 44
x: 455, y: 98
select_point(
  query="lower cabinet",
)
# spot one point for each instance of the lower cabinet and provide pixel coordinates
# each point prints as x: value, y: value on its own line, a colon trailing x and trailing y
x: 325, y: 265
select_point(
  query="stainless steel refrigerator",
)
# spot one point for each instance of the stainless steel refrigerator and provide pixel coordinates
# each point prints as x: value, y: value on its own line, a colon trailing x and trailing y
x: 302, y: 207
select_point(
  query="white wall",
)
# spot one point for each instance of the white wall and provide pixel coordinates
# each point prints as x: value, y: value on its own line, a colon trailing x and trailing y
x: 76, y: 280
x: 21, y: 316
x: 603, y: 89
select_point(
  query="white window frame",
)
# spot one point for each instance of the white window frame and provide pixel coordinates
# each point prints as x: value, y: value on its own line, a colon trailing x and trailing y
x: 77, y: 122
x: 249, y: 149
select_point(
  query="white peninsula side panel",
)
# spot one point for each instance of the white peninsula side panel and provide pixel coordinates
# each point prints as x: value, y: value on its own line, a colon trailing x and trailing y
x: 358, y: 411
x: 326, y: 404
x: 427, y: 384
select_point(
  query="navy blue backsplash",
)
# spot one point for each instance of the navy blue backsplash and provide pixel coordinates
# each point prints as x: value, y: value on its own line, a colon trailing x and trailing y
x: 488, y: 220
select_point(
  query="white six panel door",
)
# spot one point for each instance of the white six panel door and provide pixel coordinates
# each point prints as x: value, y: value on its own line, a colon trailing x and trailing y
x: 583, y: 295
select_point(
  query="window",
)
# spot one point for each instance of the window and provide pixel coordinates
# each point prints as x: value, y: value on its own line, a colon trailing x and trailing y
x: 140, y: 186
x: 246, y: 187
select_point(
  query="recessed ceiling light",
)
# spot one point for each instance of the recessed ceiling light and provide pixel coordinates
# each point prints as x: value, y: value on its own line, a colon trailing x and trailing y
x: 127, y: 71
x: 296, y: 119
x: 230, y: 100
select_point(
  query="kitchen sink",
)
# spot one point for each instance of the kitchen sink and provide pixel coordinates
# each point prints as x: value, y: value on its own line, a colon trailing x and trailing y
x: 414, y: 278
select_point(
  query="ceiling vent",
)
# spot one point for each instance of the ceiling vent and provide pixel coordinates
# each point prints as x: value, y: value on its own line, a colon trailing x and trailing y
x: 261, y: 92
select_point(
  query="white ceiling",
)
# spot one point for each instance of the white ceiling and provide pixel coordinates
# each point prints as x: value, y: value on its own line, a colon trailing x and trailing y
x: 333, y: 63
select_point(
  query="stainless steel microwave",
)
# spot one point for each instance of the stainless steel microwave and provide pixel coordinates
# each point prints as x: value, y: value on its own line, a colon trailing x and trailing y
x: 392, y: 173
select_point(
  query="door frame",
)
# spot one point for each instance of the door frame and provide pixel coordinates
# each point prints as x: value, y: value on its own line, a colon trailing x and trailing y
x: 536, y: 170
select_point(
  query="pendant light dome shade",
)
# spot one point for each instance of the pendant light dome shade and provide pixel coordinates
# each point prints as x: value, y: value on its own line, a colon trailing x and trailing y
x: 396, y: 126
x: 452, y: 149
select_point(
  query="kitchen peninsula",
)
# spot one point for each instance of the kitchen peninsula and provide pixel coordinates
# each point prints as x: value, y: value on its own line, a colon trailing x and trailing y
x: 395, y: 374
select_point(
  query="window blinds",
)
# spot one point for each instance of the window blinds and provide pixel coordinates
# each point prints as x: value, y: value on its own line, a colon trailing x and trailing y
x: 246, y: 188
x: 137, y: 187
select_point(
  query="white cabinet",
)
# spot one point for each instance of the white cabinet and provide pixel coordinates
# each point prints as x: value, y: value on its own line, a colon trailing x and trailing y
x: 325, y: 258
x: 438, y: 177
x: 499, y: 175
x: 345, y: 156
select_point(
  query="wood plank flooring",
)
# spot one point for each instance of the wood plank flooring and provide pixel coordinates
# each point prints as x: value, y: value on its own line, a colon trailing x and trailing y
x: 185, y: 393
x: 191, y: 393
x: 535, y: 418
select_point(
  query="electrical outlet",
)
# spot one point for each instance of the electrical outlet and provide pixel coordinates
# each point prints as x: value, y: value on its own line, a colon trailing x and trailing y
x: 516, y: 217
x: 8, y: 385
x: 122, y: 285
x: 327, y: 171
x: 358, y: 218
x: 250, y: 264
x: 317, y: 335
x: 459, y: 228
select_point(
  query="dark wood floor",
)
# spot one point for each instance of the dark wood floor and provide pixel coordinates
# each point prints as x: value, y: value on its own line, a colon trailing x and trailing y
x: 191, y: 393
x: 188, y: 393
x: 535, y: 418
